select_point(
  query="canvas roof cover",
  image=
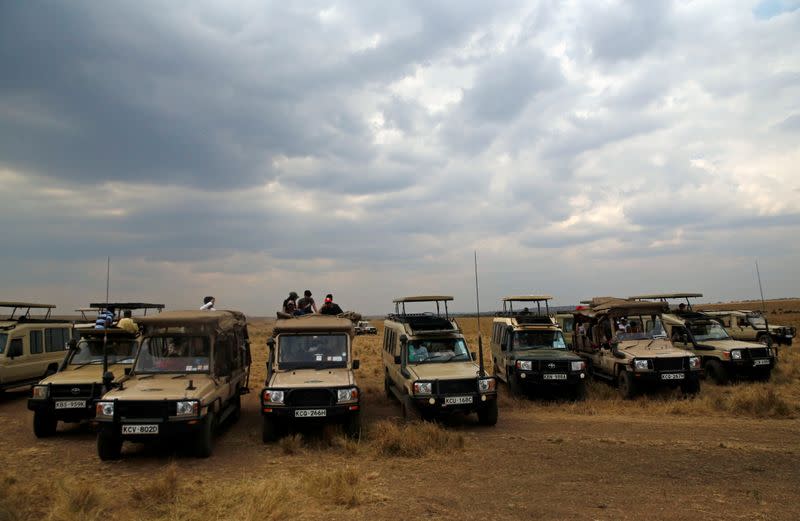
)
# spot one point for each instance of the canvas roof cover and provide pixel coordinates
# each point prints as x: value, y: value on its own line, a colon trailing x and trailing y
x: 313, y: 323
x: 424, y: 298
x: 218, y: 319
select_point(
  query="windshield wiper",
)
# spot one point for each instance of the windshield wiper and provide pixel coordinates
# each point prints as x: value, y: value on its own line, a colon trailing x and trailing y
x: 88, y: 363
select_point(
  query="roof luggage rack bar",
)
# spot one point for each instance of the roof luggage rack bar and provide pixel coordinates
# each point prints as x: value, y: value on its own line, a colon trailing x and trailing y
x: 27, y: 306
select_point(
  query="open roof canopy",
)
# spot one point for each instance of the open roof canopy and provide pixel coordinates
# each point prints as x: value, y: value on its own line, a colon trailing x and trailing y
x: 665, y: 296
x: 27, y: 306
x: 217, y: 319
x: 526, y: 298
x: 124, y: 305
x: 424, y: 298
x: 314, y: 323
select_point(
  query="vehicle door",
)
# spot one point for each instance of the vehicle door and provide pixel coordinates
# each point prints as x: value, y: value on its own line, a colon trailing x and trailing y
x: 17, y: 361
x: 392, y: 350
x: 494, y: 346
x: 505, y: 347
x: 55, y: 347
x: 224, y: 347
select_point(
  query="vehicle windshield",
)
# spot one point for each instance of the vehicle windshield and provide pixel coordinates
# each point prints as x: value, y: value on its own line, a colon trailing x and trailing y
x: 437, y: 350
x: 174, y: 354
x: 525, y: 340
x: 3, y: 340
x: 757, y: 321
x: 90, y: 351
x: 640, y: 328
x: 312, y: 351
x: 704, y: 331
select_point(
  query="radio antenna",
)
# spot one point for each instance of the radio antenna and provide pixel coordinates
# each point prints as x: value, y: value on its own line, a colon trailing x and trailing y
x: 481, y: 369
x: 105, y: 329
x: 761, y: 290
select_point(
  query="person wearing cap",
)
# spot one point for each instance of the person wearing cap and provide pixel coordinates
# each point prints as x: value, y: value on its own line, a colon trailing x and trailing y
x: 306, y: 304
x: 293, y: 299
x: 330, y: 307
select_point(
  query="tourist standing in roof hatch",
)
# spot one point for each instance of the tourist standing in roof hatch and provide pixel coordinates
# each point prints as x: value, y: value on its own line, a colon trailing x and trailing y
x: 293, y: 299
x: 330, y: 307
x: 306, y: 304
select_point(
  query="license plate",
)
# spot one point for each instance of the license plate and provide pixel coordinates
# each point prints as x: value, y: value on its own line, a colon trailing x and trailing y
x: 71, y: 404
x: 310, y: 413
x: 554, y: 376
x: 457, y: 400
x: 140, y: 429
x: 673, y: 376
x: 761, y: 362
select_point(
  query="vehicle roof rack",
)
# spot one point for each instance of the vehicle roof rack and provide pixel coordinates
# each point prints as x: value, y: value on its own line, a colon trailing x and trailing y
x: 427, y: 322
x: 508, y: 305
x: 27, y: 306
x: 400, y: 304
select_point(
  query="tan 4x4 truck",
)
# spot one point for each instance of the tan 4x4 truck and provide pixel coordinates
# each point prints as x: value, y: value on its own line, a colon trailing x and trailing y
x: 189, y: 373
x: 722, y: 357
x: 428, y: 368
x: 624, y: 341
x: 70, y: 394
x: 310, y: 376
x: 751, y: 326
x: 529, y: 351
x: 31, y: 348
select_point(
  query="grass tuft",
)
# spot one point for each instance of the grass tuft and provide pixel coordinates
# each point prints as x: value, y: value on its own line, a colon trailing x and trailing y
x: 77, y: 500
x: 341, y: 486
x: 414, y: 439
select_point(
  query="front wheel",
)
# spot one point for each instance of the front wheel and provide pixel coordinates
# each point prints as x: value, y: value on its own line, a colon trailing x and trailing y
x: 717, y: 372
x: 513, y: 383
x: 487, y: 414
x: 269, y: 430
x: 109, y: 445
x: 204, y: 443
x: 626, y: 385
x: 690, y: 387
x: 410, y: 412
x: 352, y: 428
x: 44, y: 424
x: 578, y: 392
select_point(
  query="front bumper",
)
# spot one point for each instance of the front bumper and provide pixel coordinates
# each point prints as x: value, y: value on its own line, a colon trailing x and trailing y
x: 540, y: 378
x: 310, y: 412
x: 671, y: 378
x: 452, y: 403
x: 751, y: 367
x: 72, y: 410
x: 168, y: 429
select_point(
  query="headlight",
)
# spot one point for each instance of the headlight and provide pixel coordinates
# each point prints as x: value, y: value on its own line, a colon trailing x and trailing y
x: 40, y: 392
x: 104, y: 409
x: 486, y: 385
x: 578, y: 366
x: 694, y: 362
x: 347, y: 395
x: 272, y: 396
x: 525, y: 365
x: 423, y: 387
x: 736, y: 355
x: 188, y: 408
x: 640, y: 365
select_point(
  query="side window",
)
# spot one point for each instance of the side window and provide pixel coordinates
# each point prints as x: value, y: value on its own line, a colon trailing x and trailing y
x: 36, y: 342
x: 496, y: 333
x: 15, y: 347
x: 55, y: 339
x: 395, y: 344
x: 386, y: 335
x: 503, y: 335
x: 222, y: 355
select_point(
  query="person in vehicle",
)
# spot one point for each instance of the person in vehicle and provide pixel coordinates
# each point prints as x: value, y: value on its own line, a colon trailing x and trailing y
x: 417, y: 353
x: 306, y: 305
x: 291, y: 299
x: 330, y: 307
x: 208, y: 304
x: 104, y: 318
x: 127, y: 323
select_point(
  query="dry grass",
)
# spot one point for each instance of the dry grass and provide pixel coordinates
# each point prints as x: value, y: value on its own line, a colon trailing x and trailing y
x: 340, y: 486
x: 77, y: 500
x: 413, y: 440
x: 291, y: 444
x: 158, y: 496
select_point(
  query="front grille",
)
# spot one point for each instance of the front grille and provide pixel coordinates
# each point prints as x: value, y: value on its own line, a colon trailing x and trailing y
x: 670, y: 364
x: 550, y: 366
x: 80, y: 391
x: 141, y: 410
x: 457, y: 386
x: 305, y: 397
x: 758, y: 352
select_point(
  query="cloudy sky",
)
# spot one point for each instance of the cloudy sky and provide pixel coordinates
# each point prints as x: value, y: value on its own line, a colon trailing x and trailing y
x: 246, y: 149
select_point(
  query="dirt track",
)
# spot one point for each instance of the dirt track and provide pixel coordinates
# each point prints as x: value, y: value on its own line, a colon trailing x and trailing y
x: 536, y: 463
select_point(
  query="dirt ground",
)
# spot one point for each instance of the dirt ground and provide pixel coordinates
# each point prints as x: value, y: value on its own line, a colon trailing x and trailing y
x: 658, y: 457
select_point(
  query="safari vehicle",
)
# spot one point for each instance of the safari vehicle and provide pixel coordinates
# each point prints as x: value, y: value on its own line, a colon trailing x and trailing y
x: 721, y: 356
x: 189, y: 373
x: 529, y: 351
x: 624, y: 341
x: 566, y: 322
x: 31, y: 347
x: 428, y: 368
x: 365, y: 328
x: 310, y: 376
x: 70, y: 394
x: 751, y: 326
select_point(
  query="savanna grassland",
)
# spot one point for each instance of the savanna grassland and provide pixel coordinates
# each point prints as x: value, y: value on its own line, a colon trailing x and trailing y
x: 733, y: 452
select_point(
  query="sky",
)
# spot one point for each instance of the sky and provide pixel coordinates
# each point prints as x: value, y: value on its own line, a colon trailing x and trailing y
x: 247, y: 149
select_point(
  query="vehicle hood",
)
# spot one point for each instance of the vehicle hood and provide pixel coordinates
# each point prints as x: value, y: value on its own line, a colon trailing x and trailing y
x: 84, y: 375
x: 655, y: 348
x: 545, y: 354
x: 162, y: 387
x: 338, y: 377
x: 444, y: 371
x: 727, y: 345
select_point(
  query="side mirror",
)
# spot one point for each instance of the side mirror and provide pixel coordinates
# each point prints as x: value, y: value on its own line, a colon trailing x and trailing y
x: 72, y: 345
x: 128, y: 371
x: 504, y: 346
x: 108, y: 379
x: 271, y: 342
x: 473, y: 355
x: 403, y: 340
x: 356, y: 363
x: 397, y: 359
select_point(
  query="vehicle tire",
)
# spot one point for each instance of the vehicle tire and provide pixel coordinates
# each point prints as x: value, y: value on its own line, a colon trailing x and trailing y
x: 270, y: 430
x: 717, y: 372
x: 237, y: 407
x: 626, y: 385
x: 578, y: 392
x: 44, y: 424
x: 513, y: 383
x: 352, y: 428
x: 410, y: 413
x: 387, y: 387
x: 204, y: 441
x: 765, y: 339
x: 487, y: 414
x: 109, y: 445
x: 691, y: 387
x: 762, y: 376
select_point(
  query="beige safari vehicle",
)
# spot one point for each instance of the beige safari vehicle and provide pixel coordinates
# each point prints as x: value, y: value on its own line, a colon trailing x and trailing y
x: 70, y: 395
x: 428, y: 367
x: 529, y: 351
x: 189, y: 373
x: 751, y: 326
x: 722, y: 357
x: 624, y: 341
x: 310, y: 376
x: 31, y: 347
